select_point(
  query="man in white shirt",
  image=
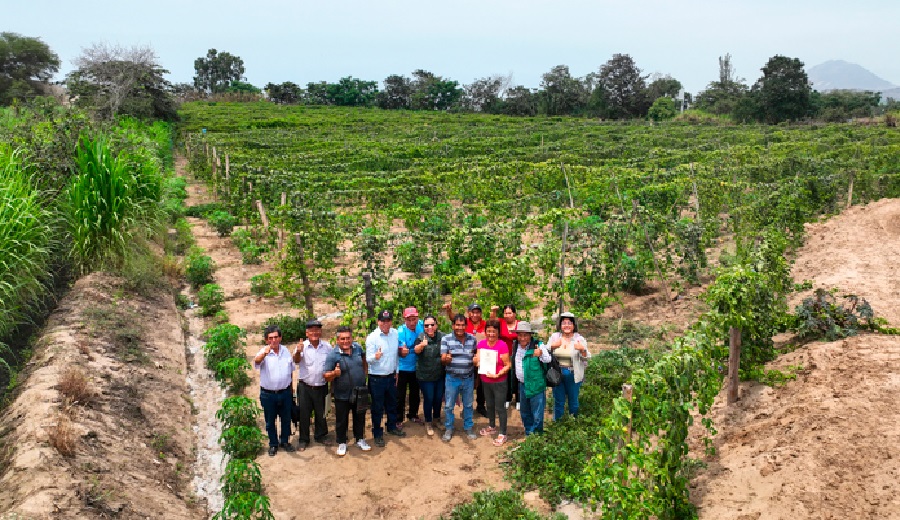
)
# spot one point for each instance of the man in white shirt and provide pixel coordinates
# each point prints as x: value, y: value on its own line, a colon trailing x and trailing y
x: 276, y: 369
x: 312, y: 389
x: 382, y: 355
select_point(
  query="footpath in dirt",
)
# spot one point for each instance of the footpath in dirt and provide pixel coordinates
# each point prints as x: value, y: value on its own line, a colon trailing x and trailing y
x: 826, y: 445
x: 414, y: 477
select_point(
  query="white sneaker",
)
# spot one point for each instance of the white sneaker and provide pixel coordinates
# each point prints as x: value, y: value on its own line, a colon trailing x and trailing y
x: 506, y: 405
x: 517, y: 406
x: 342, y: 449
x: 363, y: 445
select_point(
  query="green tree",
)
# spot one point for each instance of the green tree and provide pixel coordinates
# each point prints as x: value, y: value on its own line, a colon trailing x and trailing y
x: 431, y: 92
x: 621, y: 89
x: 560, y: 93
x: 112, y: 80
x: 243, y: 87
x: 351, y: 92
x: 216, y: 71
x: 662, y: 109
x: 397, y: 93
x: 722, y: 96
x: 840, y: 105
x: 26, y: 65
x: 286, y: 93
x: 783, y: 91
x: 519, y: 101
x: 485, y: 94
x: 664, y: 86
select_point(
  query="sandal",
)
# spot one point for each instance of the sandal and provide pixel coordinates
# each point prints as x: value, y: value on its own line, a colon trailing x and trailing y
x: 487, y: 430
x: 500, y: 440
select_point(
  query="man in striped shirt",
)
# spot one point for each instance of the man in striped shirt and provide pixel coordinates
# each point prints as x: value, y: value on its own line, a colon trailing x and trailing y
x: 458, y: 355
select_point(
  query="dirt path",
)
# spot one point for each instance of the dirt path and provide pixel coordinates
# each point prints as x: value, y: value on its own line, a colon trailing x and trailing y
x: 828, y: 444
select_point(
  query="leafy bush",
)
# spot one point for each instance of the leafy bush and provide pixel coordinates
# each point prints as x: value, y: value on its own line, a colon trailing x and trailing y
x: 223, y: 222
x: 410, y: 256
x: 251, y: 250
x: 262, y: 285
x: 497, y: 505
x: 221, y: 317
x: 242, y: 442
x: 241, y: 476
x: 821, y: 316
x: 175, y: 188
x: 238, y: 411
x: 223, y: 342
x: 202, y: 210
x: 184, y: 238
x: 211, y: 299
x: 292, y: 329
x: 182, y: 301
x: 233, y: 372
x: 245, y: 506
x: 199, y: 269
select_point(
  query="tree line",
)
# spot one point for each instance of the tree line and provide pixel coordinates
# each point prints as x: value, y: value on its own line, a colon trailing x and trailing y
x: 113, y: 80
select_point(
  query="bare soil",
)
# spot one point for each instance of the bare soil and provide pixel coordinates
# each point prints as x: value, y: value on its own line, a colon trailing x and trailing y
x: 123, y: 447
x: 826, y: 445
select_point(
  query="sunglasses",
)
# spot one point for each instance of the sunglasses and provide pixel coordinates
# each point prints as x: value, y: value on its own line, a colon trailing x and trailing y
x: 431, y: 324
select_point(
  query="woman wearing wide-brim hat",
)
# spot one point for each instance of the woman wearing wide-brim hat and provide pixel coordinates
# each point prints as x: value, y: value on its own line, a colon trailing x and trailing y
x: 570, y: 349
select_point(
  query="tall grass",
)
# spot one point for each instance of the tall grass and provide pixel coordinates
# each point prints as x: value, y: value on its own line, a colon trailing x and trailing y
x: 110, y: 200
x: 26, y: 235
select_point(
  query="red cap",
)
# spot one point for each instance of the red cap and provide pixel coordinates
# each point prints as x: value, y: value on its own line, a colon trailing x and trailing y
x: 409, y: 312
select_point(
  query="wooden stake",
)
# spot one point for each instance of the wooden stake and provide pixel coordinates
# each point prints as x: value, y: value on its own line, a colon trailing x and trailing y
x: 262, y: 214
x: 734, y: 364
x: 281, y: 229
x: 850, y: 192
x: 370, y: 294
x: 304, y: 276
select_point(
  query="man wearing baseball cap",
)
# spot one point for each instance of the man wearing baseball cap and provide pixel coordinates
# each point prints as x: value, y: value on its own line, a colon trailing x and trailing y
x: 382, y: 355
x: 312, y: 389
x: 407, y: 334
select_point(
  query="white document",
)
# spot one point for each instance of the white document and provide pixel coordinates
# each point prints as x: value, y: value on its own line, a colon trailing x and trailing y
x: 487, y: 361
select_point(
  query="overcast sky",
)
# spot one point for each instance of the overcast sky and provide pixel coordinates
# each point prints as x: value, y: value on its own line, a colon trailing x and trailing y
x: 303, y: 41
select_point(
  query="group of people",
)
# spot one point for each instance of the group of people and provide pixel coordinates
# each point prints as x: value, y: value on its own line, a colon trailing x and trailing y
x: 482, y: 364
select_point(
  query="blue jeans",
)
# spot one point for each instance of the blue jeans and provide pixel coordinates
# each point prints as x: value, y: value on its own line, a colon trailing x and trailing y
x: 433, y: 396
x: 458, y: 386
x: 532, y: 411
x: 383, y: 391
x: 277, y: 405
x: 567, y: 389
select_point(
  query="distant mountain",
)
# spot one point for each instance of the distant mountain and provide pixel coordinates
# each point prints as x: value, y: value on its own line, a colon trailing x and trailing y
x: 843, y: 75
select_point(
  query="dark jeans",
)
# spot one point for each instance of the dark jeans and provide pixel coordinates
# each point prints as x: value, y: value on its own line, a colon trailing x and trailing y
x: 432, y: 398
x: 568, y: 389
x: 342, y: 411
x: 532, y: 411
x: 479, y: 396
x: 384, y: 399
x: 407, y: 380
x: 494, y: 394
x: 275, y: 405
x: 513, y: 389
x: 312, y: 399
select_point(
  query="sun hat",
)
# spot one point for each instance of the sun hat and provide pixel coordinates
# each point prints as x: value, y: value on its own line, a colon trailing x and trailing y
x: 523, y: 326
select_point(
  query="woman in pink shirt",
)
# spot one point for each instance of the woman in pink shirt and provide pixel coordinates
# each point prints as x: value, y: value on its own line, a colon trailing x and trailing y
x: 494, y: 380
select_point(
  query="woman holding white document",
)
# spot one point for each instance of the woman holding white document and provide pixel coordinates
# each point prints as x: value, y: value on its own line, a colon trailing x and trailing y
x: 494, y: 365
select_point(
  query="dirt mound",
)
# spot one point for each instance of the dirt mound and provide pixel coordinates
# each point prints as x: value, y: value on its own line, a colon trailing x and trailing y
x: 826, y: 445
x: 102, y: 425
